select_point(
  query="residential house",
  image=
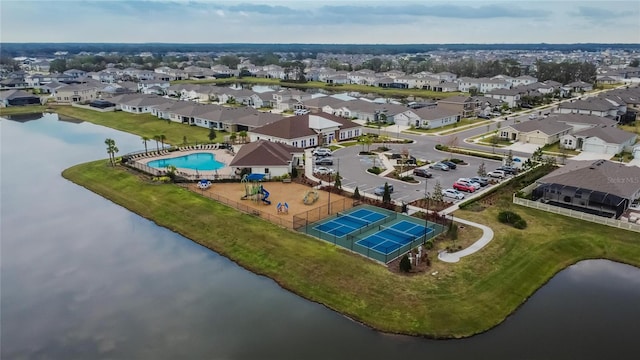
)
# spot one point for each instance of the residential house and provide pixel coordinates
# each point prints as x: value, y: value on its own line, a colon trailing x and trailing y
x: 602, y: 188
x: 591, y: 106
x: 608, y: 140
x: 540, y: 132
x: 509, y: 96
x: 317, y: 104
x: 262, y: 100
x: 75, y: 73
x: 74, y: 93
x: 445, y: 76
x: 522, y: 80
x: 428, y: 118
x: 339, y: 108
x: 139, y: 103
x: 372, y: 112
x: 577, y: 88
x: 267, y: 157
x: 445, y: 87
x: 308, y: 130
x: 462, y: 105
x: 146, y: 86
x: 18, y: 98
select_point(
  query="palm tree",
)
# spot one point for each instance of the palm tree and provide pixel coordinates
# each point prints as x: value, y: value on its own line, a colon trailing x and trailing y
x: 144, y: 140
x: 243, y: 135
x: 162, y: 139
x: 157, y: 139
x: 112, y: 149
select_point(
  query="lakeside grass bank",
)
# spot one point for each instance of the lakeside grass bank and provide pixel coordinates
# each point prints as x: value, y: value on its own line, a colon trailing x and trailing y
x: 465, y: 298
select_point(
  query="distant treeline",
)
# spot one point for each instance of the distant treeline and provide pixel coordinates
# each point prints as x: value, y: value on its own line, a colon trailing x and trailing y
x: 47, y: 49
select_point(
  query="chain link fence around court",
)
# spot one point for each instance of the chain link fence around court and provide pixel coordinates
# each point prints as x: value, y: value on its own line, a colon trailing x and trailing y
x: 305, y: 218
x: 350, y: 241
x: 276, y: 219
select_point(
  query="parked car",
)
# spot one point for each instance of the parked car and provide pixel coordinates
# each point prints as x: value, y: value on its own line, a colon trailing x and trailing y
x: 301, y: 112
x: 509, y: 170
x: 533, y: 117
x: 470, y: 182
x: 484, y: 116
x: 324, y: 161
x: 322, y: 152
x: 323, y: 170
x: 453, y: 193
x: 422, y: 173
x: 497, y: 174
x: 450, y: 164
x: 380, y: 190
x: 439, y: 166
x: 464, y: 186
x: 483, y: 181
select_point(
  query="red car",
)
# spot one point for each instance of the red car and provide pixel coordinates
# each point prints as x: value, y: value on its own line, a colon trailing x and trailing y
x: 464, y: 187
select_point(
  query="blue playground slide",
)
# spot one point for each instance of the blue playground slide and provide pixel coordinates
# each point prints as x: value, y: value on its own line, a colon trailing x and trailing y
x: 265, y: 195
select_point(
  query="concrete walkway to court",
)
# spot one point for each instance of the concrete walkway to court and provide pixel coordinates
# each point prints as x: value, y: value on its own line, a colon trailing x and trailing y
x: 487, y: 236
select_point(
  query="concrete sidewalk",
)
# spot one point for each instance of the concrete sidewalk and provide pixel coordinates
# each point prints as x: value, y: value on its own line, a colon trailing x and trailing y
x: 487, y: 236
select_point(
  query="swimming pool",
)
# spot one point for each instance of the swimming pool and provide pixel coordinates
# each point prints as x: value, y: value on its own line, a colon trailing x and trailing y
x: 196, y: 161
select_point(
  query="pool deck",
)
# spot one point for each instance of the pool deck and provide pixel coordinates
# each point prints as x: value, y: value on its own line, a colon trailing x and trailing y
x: 221, y: 155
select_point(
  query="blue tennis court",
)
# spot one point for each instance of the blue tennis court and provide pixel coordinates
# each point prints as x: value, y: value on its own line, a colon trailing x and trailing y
x: 391, y: 238
x: 347, y: 223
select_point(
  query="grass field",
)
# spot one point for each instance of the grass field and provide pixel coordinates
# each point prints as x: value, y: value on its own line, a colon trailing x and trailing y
x: 463, y: 299
x: 401, y: 93
x: 138, y: 124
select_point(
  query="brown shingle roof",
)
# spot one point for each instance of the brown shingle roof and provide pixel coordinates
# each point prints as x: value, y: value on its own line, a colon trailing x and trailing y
x: 294, y: 127
x: 264, y: 153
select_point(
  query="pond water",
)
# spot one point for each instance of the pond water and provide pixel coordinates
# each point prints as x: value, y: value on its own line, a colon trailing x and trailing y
x: 83, y: 278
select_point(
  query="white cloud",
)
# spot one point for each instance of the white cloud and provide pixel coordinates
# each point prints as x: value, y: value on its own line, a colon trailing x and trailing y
x: 319, y: 22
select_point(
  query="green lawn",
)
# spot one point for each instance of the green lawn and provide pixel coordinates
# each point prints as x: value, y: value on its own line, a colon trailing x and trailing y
x: 321, y: 85
x: 138, y: 124
x: 633, y: 128
x: 555, y: 148
x: 463, y: 299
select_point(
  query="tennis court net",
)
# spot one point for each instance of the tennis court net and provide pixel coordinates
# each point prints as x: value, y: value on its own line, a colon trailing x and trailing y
x: 354, y: 219
x: 406, y: 237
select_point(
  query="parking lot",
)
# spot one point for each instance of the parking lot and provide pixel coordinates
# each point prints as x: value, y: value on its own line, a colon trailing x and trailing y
x: 353, y: 169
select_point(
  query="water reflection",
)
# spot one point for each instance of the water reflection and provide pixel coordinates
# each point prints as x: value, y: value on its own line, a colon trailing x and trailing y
x: 83, y: 278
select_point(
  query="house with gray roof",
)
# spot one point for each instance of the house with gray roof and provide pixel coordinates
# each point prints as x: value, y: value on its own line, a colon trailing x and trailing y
x: 591, y: 106
x: 577, y: 88
x: 428, y: 117
x: 463, y: 105
x: 267, y: 157
x: 540, y: 132
x: 316, y: 104
x: 602, y: 188
x: 139, y: 103
x: 372, y: 112
x: 608, y: 140
x: 308, y: 130
x: 509, y: 96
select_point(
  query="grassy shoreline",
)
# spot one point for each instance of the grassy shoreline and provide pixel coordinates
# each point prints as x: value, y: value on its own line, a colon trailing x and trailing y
x: 466, y: 298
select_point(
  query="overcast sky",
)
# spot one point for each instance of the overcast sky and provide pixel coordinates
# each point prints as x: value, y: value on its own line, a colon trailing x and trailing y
x: 322, y: 21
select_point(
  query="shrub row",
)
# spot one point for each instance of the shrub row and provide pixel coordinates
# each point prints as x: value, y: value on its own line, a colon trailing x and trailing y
x: 469, y: 152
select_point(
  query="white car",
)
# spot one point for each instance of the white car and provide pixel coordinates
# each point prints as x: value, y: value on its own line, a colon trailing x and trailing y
x: 497, y: 174
x: 453, y: 193
x: 322, y: 152
x: 323, y: 170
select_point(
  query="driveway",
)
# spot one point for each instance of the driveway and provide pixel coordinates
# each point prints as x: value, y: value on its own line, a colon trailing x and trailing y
x: 591, y: 156
x: 521, y: 147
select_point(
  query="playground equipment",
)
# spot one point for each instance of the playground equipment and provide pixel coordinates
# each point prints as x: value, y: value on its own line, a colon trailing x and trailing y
x: 204, y: 184
x: 310, y: 197
x: 282, y: 208
x: 253, y: 189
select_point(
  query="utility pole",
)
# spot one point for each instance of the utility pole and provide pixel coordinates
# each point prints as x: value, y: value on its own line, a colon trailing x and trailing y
x: 426, y: 213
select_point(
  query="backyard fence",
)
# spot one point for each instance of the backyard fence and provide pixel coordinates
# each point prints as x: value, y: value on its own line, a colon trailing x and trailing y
x: 577, y: 214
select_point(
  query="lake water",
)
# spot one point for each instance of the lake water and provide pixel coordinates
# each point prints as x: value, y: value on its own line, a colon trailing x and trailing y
x: 83, y: 278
